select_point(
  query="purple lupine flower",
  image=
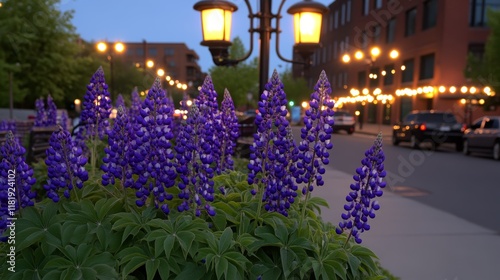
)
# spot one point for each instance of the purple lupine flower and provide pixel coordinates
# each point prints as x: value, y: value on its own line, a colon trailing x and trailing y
x: 16, y: 180
x: 270, y: 151
x: 41, y: 113
x: 369, y: 182
x: 51, y: 112
x: 229, y: 133
x: 135, y: 105
x: 116, y: 161
x: 96, y: 106
x: 15, y: 174
x: 65, y: 165
x: 7, y: 125
x: 209, y: 132
x: 316, y: 136
x: 153, y: 156
x: 64, y: 120
x: 120, y: 101
x: 196, y: 185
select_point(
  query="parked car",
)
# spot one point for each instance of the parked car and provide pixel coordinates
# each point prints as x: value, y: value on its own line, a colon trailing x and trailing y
x: 434, y: 127
x: 483, y: 136
x: 343, y: 120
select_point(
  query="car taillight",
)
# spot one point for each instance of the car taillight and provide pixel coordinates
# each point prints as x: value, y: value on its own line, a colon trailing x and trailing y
x: 423, y: 127
x: 464, y: 127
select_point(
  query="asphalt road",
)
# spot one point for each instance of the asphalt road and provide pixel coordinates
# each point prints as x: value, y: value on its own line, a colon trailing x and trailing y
x: 465, y: 186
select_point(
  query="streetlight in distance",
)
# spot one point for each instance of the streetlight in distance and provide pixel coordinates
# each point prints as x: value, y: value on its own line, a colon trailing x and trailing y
x: 117, y: 48
x: 216, y: 17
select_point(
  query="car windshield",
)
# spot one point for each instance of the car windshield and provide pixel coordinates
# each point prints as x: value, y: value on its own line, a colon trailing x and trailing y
x: 437, y: 118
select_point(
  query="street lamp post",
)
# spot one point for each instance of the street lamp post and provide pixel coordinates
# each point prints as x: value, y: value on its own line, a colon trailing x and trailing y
x: 216, y: 16
x: 118, y: 48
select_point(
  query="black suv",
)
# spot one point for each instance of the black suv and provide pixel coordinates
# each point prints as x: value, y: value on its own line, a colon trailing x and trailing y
x: 434, y: 127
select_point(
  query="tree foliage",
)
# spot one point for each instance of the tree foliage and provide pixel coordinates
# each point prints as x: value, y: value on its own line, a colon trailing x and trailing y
x: 485, y: 69
x: 296, y: 88
x: 241, y: 80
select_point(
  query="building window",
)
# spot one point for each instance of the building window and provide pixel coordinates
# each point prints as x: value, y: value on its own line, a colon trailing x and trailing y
x: 388, y: 74
x: 168, y: 51
x: 374, y: 77
x: 378, y: 4
x: 426, y: 67
x: 171, y: 63
x: 408, y: 66
x: 139, y: 51
x: 411, y: 17
x: 336, y: 19
x: 330, y: 21
x: 390, y: 30
x: 362, y: 79
x: 335, y: 50
x: 478, y: 10
x: 376, y: 31
x: 348, y: 12
x: 339, y: 80
x: 430, y: 14
x: 366, y: 7
x: 342, y: 15
x: 152, y: 51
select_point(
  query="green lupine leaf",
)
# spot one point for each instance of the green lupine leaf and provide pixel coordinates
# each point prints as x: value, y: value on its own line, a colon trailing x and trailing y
x: 219, y: 221
x: 158, y: 223
x: 237, y: 259
x: 338, y: 267
x: 280, y: 231
x: 57, y: 263
x: 151, y: 268
x: 185, y: 239
x: 225, y: 240
x: 267, y: 235
x: 192, y: 272
x: 133, y: 264
x: 287, y: 259
x: 221, y: 267
x: 104, y: 271
x: 168, y: 245
x: 164, y: 269
x: 353, y: 264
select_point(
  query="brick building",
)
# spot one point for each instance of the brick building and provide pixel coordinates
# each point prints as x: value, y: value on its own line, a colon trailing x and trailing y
x: 176, y: 59
x: 433, y: 39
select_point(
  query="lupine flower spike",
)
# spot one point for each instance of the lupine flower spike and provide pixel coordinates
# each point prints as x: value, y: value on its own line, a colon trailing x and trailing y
x: 153, y: 156
x: 95, y: 115
x: 135, y: 105
x: 119, y: 101
x: 65, y: 165
x: 316, y: 138
x: 41, y: 114
x: 369, y: 182
x: 196, y: 185
x: 16, y: 178
x: 229, y: 133
x: 116, y: 161
x: 51, y: 111
x: 96, y: 106
x: 269, y: 152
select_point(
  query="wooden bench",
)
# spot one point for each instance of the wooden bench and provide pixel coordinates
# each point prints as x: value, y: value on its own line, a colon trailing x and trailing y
x: 38, y: 143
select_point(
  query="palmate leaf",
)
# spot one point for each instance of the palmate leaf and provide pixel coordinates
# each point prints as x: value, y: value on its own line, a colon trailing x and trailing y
x: 131, y: 223
x: 81, y: 263
x: 221, y: 256
x: 181, y: 232
x: 37, y: 227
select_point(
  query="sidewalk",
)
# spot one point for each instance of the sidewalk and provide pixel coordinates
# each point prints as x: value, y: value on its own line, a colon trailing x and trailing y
x: 415, y: 241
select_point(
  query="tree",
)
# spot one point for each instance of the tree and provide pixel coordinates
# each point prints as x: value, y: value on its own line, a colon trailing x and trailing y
x: 486, y: 69
x: 296, y: 89
x: 241, y: 79
x: 40, y: 47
